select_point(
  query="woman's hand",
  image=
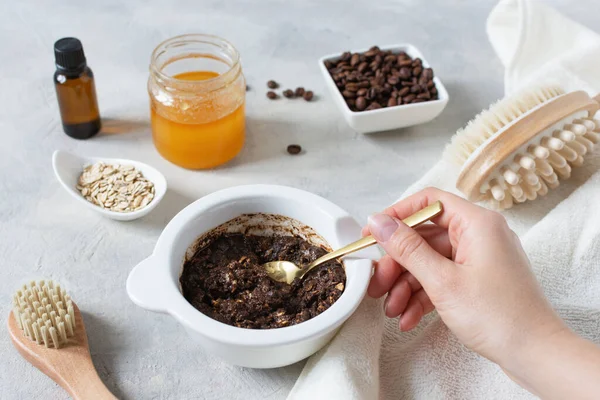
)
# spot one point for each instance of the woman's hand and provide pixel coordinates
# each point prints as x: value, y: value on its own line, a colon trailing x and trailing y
x: 469, y: 266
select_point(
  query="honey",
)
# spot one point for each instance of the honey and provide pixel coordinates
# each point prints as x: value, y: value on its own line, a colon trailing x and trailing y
x: 193, y: 139
x: 197, y: 115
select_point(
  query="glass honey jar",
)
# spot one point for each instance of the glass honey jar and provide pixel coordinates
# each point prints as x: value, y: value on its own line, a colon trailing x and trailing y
x: 197, y: 96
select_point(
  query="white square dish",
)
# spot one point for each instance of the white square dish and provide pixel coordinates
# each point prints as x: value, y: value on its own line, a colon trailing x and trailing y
x: 387, y: 118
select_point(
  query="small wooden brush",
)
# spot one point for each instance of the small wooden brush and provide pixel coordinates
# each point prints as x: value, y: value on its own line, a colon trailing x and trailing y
x: 522, y: 145
x: 47, y: 329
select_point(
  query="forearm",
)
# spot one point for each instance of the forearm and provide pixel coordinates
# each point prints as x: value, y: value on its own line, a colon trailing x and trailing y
x: 559, y: 367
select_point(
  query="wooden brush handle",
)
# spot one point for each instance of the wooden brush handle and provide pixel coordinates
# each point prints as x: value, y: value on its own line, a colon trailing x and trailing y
x: 86, y: 384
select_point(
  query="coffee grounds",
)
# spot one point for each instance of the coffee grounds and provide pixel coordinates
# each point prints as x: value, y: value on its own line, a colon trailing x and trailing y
x: 226, y: 281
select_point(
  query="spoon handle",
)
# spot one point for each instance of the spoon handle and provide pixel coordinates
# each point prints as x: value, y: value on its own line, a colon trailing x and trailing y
x: 414, y: 220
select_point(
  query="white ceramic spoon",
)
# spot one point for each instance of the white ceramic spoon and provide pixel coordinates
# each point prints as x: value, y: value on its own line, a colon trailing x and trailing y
x: 68, y: 167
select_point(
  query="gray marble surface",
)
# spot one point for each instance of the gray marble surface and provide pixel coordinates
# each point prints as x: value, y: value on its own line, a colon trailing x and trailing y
x: 44, y: 234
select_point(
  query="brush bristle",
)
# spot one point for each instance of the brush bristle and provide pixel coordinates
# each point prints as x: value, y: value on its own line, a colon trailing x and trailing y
x: 487, y: 123
x: 45, y: 313
x: 537, y: 165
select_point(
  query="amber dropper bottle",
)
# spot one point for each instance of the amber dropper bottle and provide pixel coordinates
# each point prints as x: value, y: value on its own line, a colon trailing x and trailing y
x: 75, y: 90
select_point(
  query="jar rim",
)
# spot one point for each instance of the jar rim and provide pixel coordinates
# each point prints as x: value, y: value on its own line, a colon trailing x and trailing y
x: 200, y: 38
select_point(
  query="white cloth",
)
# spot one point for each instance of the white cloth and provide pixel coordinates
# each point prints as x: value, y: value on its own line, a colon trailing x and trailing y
x: 371, y: 359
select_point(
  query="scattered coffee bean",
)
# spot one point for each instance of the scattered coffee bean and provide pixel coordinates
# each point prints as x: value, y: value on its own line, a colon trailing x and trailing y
x: 380, y: 78
x: 299, y: 92
x: 247, y: 88
x: 289, y: 93
x: 308, y: 95
x: 272, y: 95
x: 272, y: 84
x: 294, y: 149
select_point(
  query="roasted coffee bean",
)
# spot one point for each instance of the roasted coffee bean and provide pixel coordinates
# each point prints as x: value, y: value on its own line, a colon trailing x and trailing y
x: 404, y: 91
x: 308, y: 95
x: 352, y: 87
x: 381, y: 78
x: 373, y: 93
x: 390, y: 59
x: 392, y: 80
x: 294, y: 149
x: 348, y: 94
x: 272, y: 84
x: 404, y: 73
x: 247, y: 88
x: 272, y: 95
x: 299, y: 91
x: 372, y: 51
x: 417, y: 101
x: 289, y: 93
x: 361, y: 103
x: 373, y: 106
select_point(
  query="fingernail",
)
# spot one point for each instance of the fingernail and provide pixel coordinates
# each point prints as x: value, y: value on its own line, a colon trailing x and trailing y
x: 382, y: 226
x: 385, y: 304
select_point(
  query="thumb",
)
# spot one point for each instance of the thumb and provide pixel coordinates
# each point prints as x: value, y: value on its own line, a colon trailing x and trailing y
x: 409, y: 249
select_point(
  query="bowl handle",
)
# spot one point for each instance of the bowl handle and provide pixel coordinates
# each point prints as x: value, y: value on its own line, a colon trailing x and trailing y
x: 146, y: 288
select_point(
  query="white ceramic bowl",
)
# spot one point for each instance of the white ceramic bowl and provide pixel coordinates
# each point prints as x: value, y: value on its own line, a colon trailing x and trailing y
x: 68, y: 167
x: 387, y: 118
x: 154, y: 283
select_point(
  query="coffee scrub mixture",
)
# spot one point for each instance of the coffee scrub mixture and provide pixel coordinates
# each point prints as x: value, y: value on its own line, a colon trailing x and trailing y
x: 224, y: 279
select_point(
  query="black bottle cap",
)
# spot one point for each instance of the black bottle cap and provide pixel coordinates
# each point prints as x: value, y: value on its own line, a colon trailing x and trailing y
x: 68, y: 53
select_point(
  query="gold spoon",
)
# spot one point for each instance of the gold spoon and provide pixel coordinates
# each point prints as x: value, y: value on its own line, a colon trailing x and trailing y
x: 287, y: 271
